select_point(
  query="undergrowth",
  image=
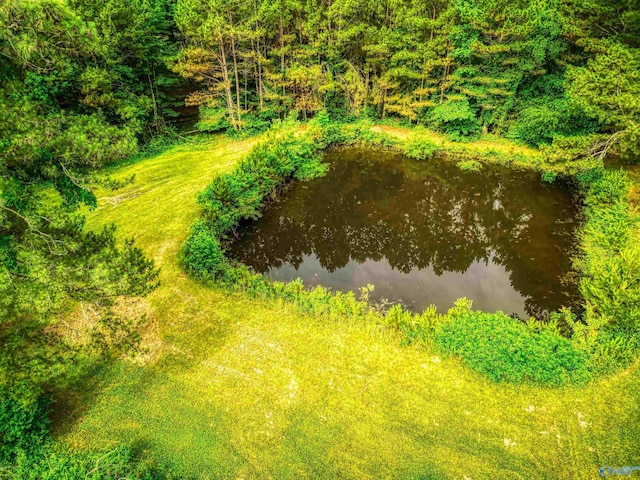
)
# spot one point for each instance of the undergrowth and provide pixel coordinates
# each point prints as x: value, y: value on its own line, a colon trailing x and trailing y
x: 610, y: 272
x: 28, y: 452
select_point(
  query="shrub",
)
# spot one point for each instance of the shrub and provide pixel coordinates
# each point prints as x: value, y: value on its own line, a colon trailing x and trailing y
x: 612, y: 350
x: 610, y: 261
x: 24, y: 426
x: 505, y: 349
x: 572, y: 153
x: 203, y: 254
x: 254, y: 124
x: 456, y: 118
x: 27, y: 450
x: 419, y: 147
x: 240, y: 195
x: 213, y: 119
x: 536, y: 125
x: 324, y: 131
x: 53, y: 462
x: 546, y: 118
x: 606, y: 187
x: 415, y: 328
x: 549, y: 177
x: 362, y: 133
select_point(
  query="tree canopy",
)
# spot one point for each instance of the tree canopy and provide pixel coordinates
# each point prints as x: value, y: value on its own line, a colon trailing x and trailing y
x: 513, y: 68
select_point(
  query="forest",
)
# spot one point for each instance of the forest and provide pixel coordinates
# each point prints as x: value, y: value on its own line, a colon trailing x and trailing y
x: 138, y: 138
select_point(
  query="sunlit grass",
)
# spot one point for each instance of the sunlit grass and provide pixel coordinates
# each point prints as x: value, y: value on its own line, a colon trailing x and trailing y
x: 238, y: 388
x: 485, y: 144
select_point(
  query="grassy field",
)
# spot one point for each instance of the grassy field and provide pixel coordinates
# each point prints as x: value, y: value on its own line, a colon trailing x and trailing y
x: 231, y: 387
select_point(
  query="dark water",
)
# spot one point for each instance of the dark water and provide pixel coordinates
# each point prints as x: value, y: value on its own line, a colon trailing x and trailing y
x: 423, y: 233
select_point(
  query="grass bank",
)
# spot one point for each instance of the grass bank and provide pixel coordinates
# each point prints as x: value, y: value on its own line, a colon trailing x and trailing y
x: 233, y: 387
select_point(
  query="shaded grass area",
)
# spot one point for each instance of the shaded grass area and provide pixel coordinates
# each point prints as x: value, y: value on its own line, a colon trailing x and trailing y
x: 233, y: 387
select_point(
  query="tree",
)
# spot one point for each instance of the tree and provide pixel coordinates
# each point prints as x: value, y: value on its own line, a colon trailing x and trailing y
x: 608, y: 88
x: 51, y: 145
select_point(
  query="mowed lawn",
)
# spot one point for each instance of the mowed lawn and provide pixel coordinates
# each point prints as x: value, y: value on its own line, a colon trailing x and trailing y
x: 231, y: 387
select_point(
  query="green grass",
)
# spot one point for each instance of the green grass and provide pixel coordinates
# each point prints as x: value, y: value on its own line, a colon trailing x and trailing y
x: 233, y: 387
x: 485, y: 144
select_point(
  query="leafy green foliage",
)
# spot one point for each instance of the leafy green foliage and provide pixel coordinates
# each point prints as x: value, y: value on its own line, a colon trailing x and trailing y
x: 419, y: 147
x: 572, y: 154
x: 24, y: 427
x: 27, y: 450
x: 240, y: 195
x: 36, y: 285
x: 506, y: 349
x: 212, y: 119
x: 549, y: 177
x: 203, y: 254
x: 81, y: 85
x: 456, y: 119
x: 610, y: 266
x: 463, y: 67
x: 54, y: 462
x: 326, y: 133
x: 608, y: 88
x: 105, y: 60
x: 540, y: 123
x: 415, y: 328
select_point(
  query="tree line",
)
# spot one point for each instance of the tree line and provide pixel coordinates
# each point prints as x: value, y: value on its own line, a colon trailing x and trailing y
x: 532, y: 70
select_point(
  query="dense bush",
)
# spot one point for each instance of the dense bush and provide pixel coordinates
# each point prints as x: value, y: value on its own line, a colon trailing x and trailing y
x: 571, y: 154
x: 415, y: 328
x: 24, y: 426
x: 363, y: 132
x: 205, y: 257
x: 610, y: 271
x: 505, y: 349
x: 53, y: 462
x: 212, y: 119
x: 548, y: 177
x: 455, y: 118
x: 240, y: 195
x: 546, y: 118
x: 419, y: 147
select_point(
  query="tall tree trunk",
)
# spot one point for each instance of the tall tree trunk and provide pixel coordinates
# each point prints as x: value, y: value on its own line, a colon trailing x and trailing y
x: 434, y: 16
x: 235, y: 68
x: 156, y: 122
x: 226, y: 81
x: 445, y: 75
x: 282, y: 55
x: 366, y: 89
x: 257, y: 68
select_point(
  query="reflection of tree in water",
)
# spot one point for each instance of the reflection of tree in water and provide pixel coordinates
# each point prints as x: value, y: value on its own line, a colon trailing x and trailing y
x: 419, y: 215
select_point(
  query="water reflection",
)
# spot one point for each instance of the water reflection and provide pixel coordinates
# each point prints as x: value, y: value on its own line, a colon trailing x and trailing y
x: 422, y: 232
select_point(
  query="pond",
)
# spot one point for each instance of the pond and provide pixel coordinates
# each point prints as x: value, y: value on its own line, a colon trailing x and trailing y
x: 423, y: 232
